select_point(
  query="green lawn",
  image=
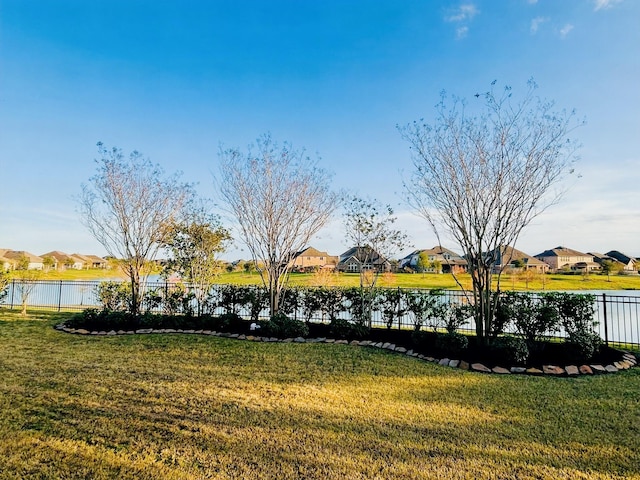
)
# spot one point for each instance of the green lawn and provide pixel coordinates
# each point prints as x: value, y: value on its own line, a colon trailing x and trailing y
x: 407, y: 280
x: 446, y: 281
x: 179, y: 406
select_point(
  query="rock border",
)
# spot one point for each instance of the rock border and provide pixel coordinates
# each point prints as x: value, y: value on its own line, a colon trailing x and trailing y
x: 627, y: 361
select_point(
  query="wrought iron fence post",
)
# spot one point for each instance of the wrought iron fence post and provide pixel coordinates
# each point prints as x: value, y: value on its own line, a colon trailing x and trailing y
x: 604, y: 312
x: 60, y: 295
x: 13, y: 291
x: 398, y: 311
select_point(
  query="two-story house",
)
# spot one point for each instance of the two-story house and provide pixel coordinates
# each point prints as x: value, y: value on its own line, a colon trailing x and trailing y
x: 312, y: 259
x: 564, y: 259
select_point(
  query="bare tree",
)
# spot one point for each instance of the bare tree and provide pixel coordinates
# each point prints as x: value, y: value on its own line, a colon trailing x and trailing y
x: 369, y: 228
x: 280, y: 199
x: 126, y: 206
x: 483, y: 178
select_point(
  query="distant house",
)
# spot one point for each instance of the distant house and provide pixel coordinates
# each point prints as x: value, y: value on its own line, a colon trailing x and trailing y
x: 358, y: 259
x: 96, y: 262
x: 600, y: 258
x: 311, y: 259
x: 5, y: 262
x: 442, y: 260
x: 80, y: 262
x: 630, y: 263
x: 508, y: 259
x: 13, y: 257
x: 566, y: 259
x: 60, y: 259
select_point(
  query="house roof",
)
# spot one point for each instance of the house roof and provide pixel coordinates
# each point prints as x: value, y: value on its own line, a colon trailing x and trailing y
x: 437, y: 250
x: 95, y: 258
x: 621, y: 257
x: 80, y: 258
x: 510, y: 254
x: 57, y: 255
x: 561, y: 252
x: 18, y: 254
x: 363, y: 254
x: 311, y: 252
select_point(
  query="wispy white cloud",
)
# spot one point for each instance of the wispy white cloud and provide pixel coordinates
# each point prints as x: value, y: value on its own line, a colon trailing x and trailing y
x: 604, y: 4
x: 564, y: 31
x: 463, y: 13
x: 536, y: 22
x: 462, y: 32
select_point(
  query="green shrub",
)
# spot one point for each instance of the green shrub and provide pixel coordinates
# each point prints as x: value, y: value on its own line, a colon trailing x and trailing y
x: 532, y: 316
x: 342, y: 329
x: 228, y: 322
x: 455, y: 316
x: 94, y: 319
x: 281, y: 326
x: 583, y: 345
x: 576, y: 314
x: 510, y: 350
x: 425, y: 307
x: 451, y: 344
x: 114, y: 296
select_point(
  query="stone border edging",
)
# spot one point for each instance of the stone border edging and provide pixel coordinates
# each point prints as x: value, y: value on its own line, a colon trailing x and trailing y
x: 627, y: 361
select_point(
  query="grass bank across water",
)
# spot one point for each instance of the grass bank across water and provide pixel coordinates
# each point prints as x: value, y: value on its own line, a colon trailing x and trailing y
x: 178, y: 406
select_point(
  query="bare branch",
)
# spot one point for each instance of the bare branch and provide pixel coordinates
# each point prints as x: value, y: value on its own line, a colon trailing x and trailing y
x: 280, y: 199
x: 483, y: 178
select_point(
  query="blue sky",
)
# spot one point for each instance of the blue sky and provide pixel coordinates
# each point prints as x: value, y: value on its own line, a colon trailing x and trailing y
x: 175, y: 80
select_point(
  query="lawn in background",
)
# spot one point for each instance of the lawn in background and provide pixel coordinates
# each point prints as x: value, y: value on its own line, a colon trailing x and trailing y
x: 404, y: 280
x: 448, y: 282
x: 190, y: 406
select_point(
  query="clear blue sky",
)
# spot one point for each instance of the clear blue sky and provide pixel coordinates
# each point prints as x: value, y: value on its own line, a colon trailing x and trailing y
x: 175, y: 80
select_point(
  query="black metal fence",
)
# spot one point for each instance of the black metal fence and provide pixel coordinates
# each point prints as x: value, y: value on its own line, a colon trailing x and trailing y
x: 618, y: 316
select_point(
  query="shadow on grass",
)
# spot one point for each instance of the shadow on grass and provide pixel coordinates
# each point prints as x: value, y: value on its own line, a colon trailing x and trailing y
x: 163, y: 406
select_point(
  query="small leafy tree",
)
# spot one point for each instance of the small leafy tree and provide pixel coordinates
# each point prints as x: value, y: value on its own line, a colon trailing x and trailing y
x: 611, y: 266
x: 194, y: 244
x: 423, y: 262
x: 48, y: 262
x: 25, y: 281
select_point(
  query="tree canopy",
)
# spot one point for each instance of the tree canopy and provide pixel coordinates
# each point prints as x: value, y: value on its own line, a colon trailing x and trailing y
x: 482, y: 177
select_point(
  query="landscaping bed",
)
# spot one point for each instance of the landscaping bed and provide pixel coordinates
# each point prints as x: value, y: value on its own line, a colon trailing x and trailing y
x: 549, y: 357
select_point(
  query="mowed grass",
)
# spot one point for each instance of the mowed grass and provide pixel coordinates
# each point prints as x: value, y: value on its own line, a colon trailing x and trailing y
x: 448, y: 282
x: 405, y: 280
x: 188, y: 406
